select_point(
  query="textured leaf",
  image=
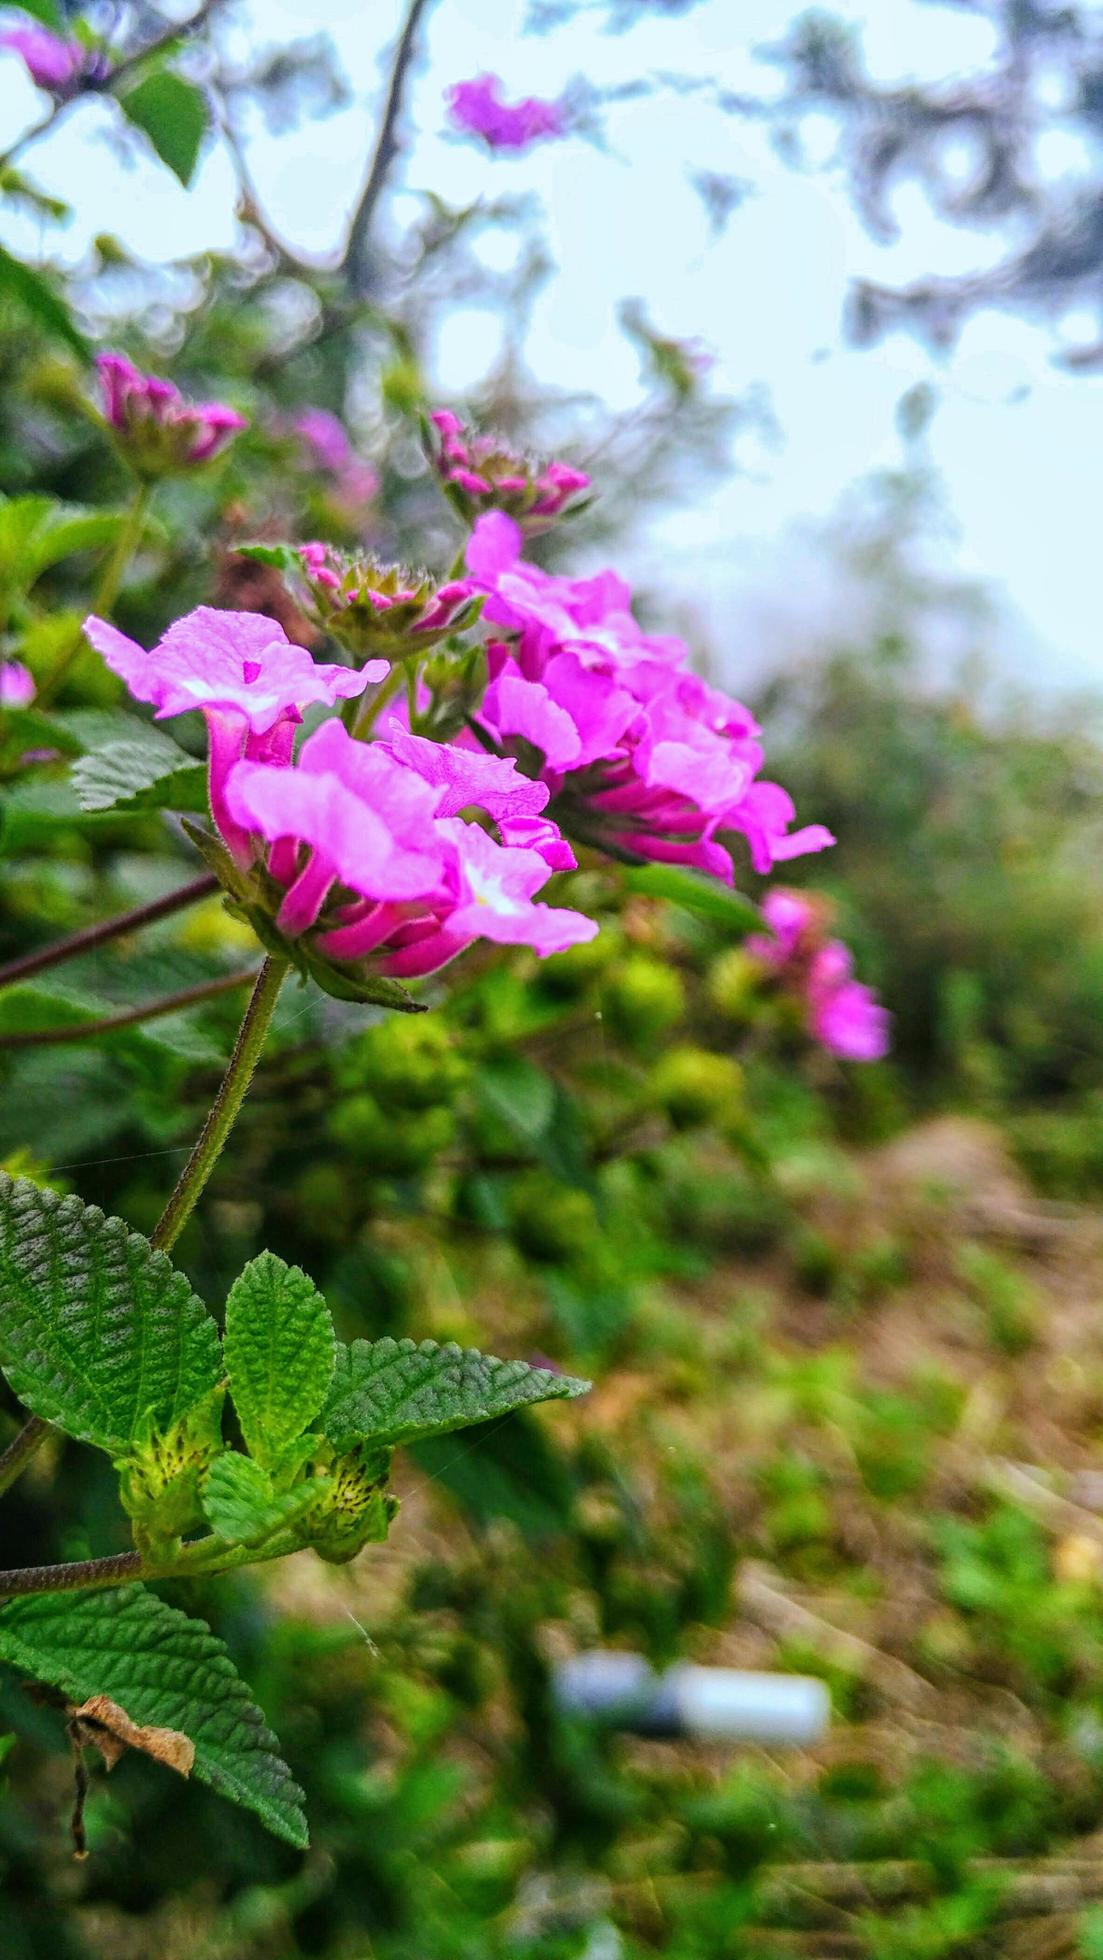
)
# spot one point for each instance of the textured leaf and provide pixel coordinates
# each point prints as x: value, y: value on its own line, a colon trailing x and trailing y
x: 98, y: 1333
x: 284, y: 557
x: 33, y: 293
x: 240, y: 1504
x: 146, y: 771
x: 173, y: 114
x: 278, y: 1354
x: 697, y: 893
x: 395, y: 1391
x: 167, y: 1671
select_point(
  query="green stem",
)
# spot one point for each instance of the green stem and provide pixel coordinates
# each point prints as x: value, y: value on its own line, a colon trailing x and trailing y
x: 227, y: 1103
x: 123, y: 922
x: 21, y: 1449
x: 106, y: 592
x: 197, y: 1558
x: 388, y: 688
x: 130, y: 1017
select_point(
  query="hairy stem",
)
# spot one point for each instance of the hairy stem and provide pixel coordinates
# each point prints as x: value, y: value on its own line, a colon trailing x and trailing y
x: 97, y: 935
x: 357, y: 263
x: 106, y: 592
x: 227, y: 1103
x: 21, y: 1449
x: 197, y: 1557
x: 130, y: 1017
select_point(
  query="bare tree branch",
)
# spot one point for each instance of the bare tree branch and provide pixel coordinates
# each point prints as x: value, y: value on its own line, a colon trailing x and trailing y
x: 357, y: 264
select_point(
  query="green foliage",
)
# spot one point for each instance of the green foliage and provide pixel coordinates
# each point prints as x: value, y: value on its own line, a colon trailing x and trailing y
x: 98, y: 1333
x: 279, y: 1355
x: 391, y: 1391
x: 145, y: 772
x: 173, y: 114
x: 167, y: 1671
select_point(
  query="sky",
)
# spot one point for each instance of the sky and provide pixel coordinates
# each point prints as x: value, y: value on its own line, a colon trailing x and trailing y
x: 1014, y: 439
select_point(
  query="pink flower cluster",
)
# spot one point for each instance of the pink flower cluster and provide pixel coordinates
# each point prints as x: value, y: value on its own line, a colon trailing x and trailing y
x: 362, y: 844
x: 481, y: 474
x: 51, y: 62
x: 841, y: 1013
x: 477, y: 107
x: 156, y: 428
x: 640, y: 754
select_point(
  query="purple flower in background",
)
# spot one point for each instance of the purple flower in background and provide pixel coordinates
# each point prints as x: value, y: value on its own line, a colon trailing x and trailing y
x: 156, y: 428
x: 477, y: 107
x: 327, y: 447
x: 51, y: 62
x: 17, y: 688
x: 841, y: 1013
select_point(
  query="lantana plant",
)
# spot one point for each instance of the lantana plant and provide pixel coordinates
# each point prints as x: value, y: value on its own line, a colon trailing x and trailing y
x: 372, y: 820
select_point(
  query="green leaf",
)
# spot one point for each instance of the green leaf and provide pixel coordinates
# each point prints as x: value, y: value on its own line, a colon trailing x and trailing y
x: 30, y: 291
x: 147, y: 771
x: 284, y: 557
x: 98, y: 1333
x: 165, y: 1670
x: 278, y: 1353
x: 47, y: 11
x: 173, y: 114
x: 391, y: 1391
x: 240, y: 1504
x: 35, y: 532
x: 36, y: 810
x: 518, y: 1092
x: 691, y: 889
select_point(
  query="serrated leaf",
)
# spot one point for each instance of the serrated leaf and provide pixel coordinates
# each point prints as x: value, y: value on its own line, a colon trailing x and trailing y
x: 696, y: 892
x: 173, y: 114
x: 168, y: 1671
x: 32, y: 292
x: 147, y: 771
x: 240, y: 1504
x: 98, y: 1333
x: 390, y: 1391
x: 278, y: 1354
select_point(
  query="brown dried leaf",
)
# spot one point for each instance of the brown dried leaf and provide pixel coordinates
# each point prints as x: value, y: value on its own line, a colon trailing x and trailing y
x: 109, y: 1728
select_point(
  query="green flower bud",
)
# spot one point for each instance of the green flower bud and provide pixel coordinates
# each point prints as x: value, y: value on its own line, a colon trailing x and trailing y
x: 357, y: 1509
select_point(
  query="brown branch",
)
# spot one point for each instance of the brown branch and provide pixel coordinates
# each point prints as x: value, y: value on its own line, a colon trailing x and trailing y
x: 356, y: 263
x: 130, y: 1016
x: 123, y: 922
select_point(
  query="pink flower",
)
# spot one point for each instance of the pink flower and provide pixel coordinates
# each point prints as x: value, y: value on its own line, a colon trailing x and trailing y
x: 635, y: 748
x: 156, y: 428
x: 841, y: 1013
x: 373, y: 867
x: 51, y: 62
x: 477, y: 107
x: 481, y: 473
x: 17, y: 688
x: 242, y: 672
